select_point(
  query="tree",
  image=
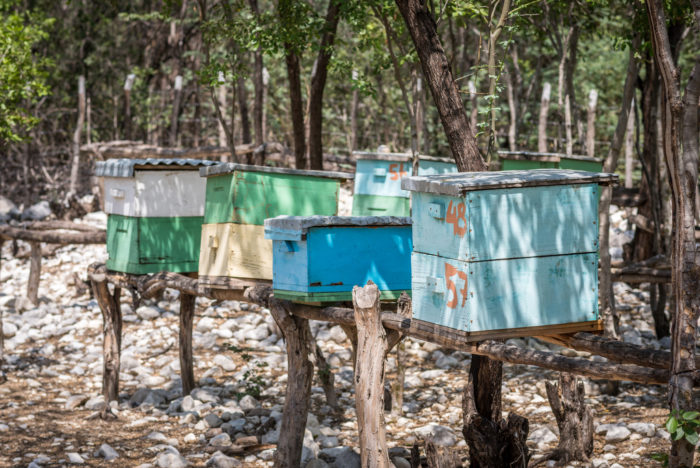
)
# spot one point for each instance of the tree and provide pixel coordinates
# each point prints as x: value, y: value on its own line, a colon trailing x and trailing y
x: 23, y: 71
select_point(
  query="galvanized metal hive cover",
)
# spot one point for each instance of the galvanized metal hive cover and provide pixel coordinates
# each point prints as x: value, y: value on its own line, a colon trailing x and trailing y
x: 303, y: 223
x: 458, y: 184
x: 125, y: 167
x: 228, y: 168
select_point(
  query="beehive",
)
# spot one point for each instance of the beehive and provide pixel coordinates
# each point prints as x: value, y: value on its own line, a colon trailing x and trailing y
x: 509, y: 253
x: 378, y: 177
x: 519, y: 160
x: 320, y: 258
x: 238, y: 200
x: 155, y: 210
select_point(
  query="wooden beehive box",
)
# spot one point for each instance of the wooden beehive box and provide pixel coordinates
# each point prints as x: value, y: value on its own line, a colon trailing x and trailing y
x: 378, y: 177
x: 320, y: 258
x: 238, y: 200
x: 519, y: 160
x: 155, y: 210
x: 509, y: 253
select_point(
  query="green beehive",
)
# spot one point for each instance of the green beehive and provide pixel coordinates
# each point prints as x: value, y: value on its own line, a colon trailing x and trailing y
x: 524, y: 160
x: 155, y: 210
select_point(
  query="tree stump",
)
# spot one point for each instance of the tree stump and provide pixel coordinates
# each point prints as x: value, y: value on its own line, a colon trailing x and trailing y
x: 187, y: 306
x: 299, y: 341
x: 492, y: 441
x: 372, y: 347
x: 112, y: 336
x: 34, y: 273
x: 574, y: 419
x: 441, y: 457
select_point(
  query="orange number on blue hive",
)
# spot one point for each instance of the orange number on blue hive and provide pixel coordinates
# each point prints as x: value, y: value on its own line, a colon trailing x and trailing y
x: 397, y: 171
x: 451, y: 271
x: 456, y: 214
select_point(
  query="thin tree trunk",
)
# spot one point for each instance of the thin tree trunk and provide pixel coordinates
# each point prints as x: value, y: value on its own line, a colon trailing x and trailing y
x: 494, y: 34
x: 296, y: 107
x: 128, y: 84
x: 243, y: 109
x: 34, y: 273
x: 567, y: 126
x: 542, y: 125
x: 474, y: 108
x: 318, y: 84
x: 436, y: 69
x: 513, y: 123
x: 75, y: 168
x: 354, y: 103
x: 629, y: 149
x: 176, y: 110
x: 590, y: 127
x: 259, y: 101
x: 680, y: 127
x: 221, y: 123
x: 607, y: 300
x: 187, y: 306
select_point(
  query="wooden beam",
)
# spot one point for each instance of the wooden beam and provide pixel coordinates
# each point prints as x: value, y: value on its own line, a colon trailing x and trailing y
x: 53, y: 236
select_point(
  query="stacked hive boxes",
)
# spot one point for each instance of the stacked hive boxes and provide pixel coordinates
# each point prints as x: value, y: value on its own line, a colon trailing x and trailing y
x: 155, y: 210
x: 238, y: 200
x: 320, y: 258
x: 378, y: 181
x: 513, y: 251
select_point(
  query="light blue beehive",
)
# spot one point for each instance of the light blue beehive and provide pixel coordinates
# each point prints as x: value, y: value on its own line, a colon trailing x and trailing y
x: 320, y: 258
x: 378, y: 177
x: 510, y: 253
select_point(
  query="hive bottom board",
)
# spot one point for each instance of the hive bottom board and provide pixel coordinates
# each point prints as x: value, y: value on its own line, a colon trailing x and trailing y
x: 317, y: 298
x: 148, y: 245
x: 375, y: 205
x: 232, y: 250
x: 505, y: 294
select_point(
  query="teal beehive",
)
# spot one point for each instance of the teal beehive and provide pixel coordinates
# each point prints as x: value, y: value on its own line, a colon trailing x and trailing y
x: 509, y: 253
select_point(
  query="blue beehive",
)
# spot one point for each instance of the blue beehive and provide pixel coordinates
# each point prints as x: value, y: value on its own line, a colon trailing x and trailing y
x: 510, y: 253
x: 320, y: 258
x: 378, y: 181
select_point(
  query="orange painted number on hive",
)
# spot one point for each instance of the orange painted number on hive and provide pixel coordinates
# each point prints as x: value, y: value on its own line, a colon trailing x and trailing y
x: 457, y: 215
x: 397, y: 171
x: 451, y: 271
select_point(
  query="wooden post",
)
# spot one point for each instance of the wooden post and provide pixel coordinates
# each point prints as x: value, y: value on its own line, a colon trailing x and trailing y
x: 75, y: 167
x: 128, y: 84
x: 590, y: 128
x: 34, y: 273
x: 394, y: 338
x: 491, y: 440
x: 372, y: 347
x: 474, y: 107
x: 542, y: 124
x: 629, y: 148
x: 176, y: 110
x: 297, y: 336
x: 574, y: 419
x: 187, y: 306
x: 112, y: 334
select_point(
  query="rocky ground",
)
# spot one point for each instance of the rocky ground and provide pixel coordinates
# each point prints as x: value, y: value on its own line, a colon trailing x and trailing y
x: 53, y: 366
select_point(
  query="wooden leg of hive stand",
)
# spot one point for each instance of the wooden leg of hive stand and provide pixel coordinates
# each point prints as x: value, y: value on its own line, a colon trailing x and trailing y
x: 574, y: 418
x: 297, y: 335
x: 372, y: 347
x: 112, y: 334
x: 326, y: 377
x: 34, y: 273
x: 187, y: 306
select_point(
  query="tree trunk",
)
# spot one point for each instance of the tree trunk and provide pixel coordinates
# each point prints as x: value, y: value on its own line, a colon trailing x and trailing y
x: 542, y: 124
x: 243, y: 109
x: 369, y: 376
x: 491, y: 440
x: 296, y: 106
x: 629, y: 149
x: 187, y: 306
x: 574, y: 419
x: 436, y: 69
x: 441, y: 457
x: 318, y: 83
x: 75, y: 168
x: 513, y: 123
x: 2, y: 335
x: 590, y: 127
x: 176, y: 111
x: 259, y: 102
x: 494, y: 33
x: 607, y: 300
x: 221, y: 122
x: 473, y: 108
x: 297, y: 336
x: 354, y: 103
x: 680, y: 133
x: 127, y: 105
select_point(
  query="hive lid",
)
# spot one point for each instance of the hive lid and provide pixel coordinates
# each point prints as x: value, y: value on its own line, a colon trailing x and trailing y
x: 544, y: 157
x: 401, y: 157
x: 294, y: 227
x: 124, y: 167
x: 458, y: 184
x: 228, y: 168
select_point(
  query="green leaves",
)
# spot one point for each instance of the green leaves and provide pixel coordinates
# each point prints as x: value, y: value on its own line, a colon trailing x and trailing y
x: 684, y: 424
